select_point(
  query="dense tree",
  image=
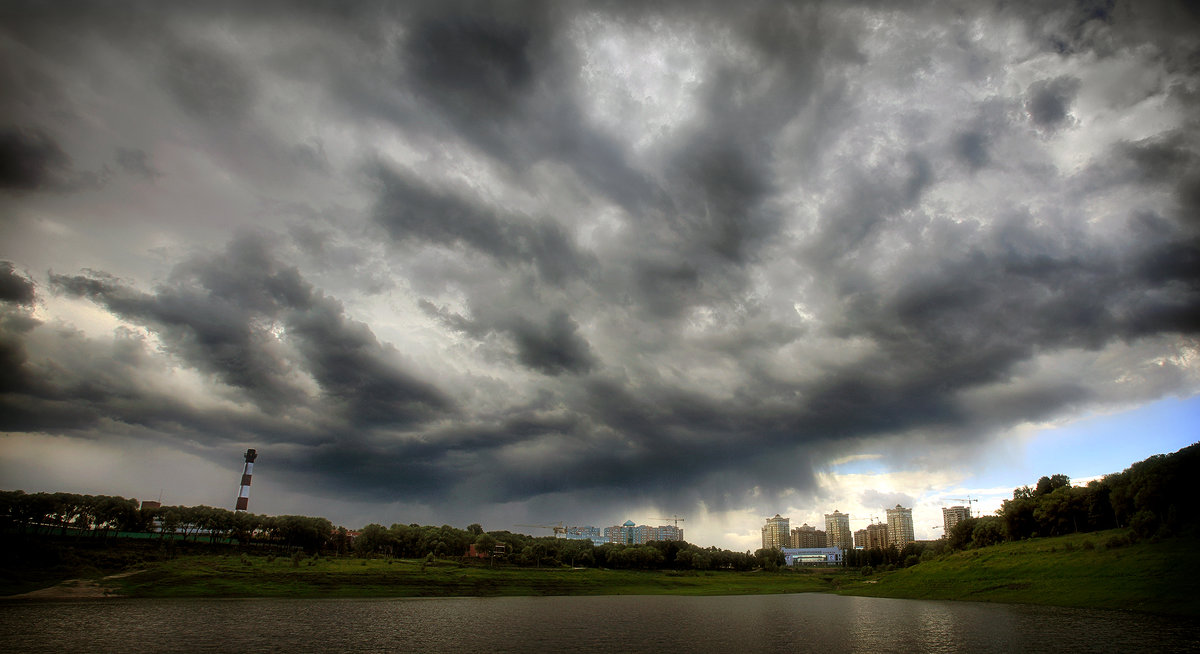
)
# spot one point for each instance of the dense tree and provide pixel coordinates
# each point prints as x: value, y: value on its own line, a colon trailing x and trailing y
x: 372, y: 539
x: 770, y: 558
x: 988, y: 531
x: 1047, y: 485
x: 340, y: 541
x: 1061, y: 511
x: 1152, y: 496
x: 485, y: 544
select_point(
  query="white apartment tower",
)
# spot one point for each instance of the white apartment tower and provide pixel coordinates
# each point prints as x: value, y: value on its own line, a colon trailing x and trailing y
x: 837, y: 530
x: 776, y: 533
x: 900, y: 527
x: 952, y: 516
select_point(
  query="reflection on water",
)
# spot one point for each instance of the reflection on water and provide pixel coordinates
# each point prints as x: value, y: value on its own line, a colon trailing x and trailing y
x: 743, y: 624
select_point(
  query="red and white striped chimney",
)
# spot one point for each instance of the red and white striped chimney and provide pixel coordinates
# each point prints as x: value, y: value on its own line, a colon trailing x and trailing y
x: 243, y: 499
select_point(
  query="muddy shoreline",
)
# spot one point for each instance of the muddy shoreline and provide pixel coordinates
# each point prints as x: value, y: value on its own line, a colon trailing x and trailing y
x: 75, y: 589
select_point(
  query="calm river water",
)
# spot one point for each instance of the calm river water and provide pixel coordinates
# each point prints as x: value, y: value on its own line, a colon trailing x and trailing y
x: 743, y: 624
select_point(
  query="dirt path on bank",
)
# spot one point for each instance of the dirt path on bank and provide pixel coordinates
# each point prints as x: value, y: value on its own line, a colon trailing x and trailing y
x: 77, y: 589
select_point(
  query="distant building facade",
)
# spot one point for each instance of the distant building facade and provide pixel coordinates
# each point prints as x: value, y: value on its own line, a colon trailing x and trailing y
x: 776, y: 534
x: 876, y: 536
x: 668, y: 532
x: 813, y: 556
x: 620, y: 534
x: 837, y: 530
x: 860, y: 539
x: 806, y: 537
x: 635, y: 534
x: 594, y: 534
x: 900, y: 527
x: 952, y: 516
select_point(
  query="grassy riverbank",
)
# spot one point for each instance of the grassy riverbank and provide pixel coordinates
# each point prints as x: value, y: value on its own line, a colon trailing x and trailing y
x: 207, y: 576
x: 1099, y: 570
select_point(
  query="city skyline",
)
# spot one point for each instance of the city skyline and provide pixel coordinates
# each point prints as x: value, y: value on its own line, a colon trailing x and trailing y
x: 508, y: 264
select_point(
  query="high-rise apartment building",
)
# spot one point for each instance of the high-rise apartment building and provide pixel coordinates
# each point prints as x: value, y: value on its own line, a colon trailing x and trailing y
x: 837, y: 530
x: 900, y: 527
x: 876, y: 536
x: 620, y: 534
x: 807, y: 537
x: 776, y: 533
x: 667, y: 532
x: 952, y: 516
x: 860, y: 539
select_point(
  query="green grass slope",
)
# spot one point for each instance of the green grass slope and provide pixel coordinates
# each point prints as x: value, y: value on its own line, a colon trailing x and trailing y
x: 1098, y: 570
x: 221, y: 576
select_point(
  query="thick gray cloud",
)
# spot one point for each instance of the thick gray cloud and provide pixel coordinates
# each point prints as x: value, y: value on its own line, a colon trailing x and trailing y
x: 29, y: 159
x: 552, y: 256
x: 136, y: 162
x: 208, y: 84
x: 410, y: 211
x: 14, y: 287
x: 252, y: 322
x: 1049, y: 101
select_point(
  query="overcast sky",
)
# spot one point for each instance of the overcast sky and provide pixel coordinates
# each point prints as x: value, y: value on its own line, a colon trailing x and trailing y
x: 530, y: 262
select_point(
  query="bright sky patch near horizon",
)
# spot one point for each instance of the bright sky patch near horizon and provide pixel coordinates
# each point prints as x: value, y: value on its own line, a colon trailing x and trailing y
x: 535, y: 262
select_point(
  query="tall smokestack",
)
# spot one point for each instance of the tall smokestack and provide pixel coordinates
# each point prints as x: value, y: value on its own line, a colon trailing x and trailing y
x: 243, y: 499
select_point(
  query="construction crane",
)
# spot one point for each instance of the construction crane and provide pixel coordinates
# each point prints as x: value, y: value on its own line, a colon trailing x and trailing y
x: 558, y: 528
x: 968, y: 501
x: 676, y: 519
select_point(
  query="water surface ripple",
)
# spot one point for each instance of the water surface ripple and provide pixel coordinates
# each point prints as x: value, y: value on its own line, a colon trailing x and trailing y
x: 743, y: 624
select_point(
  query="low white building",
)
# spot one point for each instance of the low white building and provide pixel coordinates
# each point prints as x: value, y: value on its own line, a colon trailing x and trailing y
x: 817, y: 556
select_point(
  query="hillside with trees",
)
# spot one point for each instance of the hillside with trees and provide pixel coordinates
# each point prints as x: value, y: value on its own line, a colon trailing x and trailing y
x: 1154, y: 498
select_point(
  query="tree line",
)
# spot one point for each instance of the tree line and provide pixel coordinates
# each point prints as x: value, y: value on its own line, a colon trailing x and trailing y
x: 1155, y: 497
x: 891, y: 557
x: 103, y: 516
x: 416, y: 541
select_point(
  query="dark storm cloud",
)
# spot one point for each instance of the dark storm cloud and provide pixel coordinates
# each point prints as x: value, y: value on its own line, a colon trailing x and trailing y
x: 1159, y: 159
x: 216, y: 315
x: 359, y: 372
x: 136, y: 162
x: 14, y: 287
x: 551, y: 345
x: 1049, y: 101
x: 553, y: 348
x: 972, y: 147
x: 471, y: 62
x: 412, y: 211
x: 836, y: 230
x: 1103, y: 28
x: 869, y: 200
x: 501, y: 76
x: 729, y: 187
x: 1025, y: 286
x: 1172, y: 160
x: 17, y: 293
x: 57, y: 380
x: 208, y: 83
x: 30, y: 159
x: 214, y: 333
x: 986, y: 306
